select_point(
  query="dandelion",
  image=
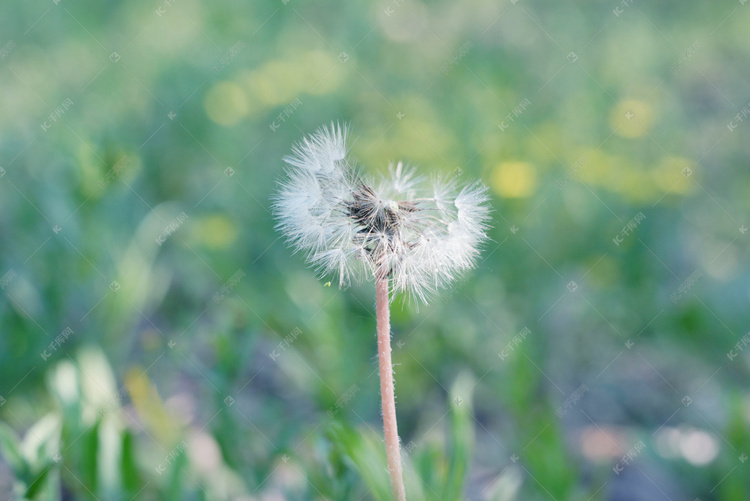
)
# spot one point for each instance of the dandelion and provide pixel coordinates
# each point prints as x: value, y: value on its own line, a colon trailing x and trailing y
x: 407, y: 234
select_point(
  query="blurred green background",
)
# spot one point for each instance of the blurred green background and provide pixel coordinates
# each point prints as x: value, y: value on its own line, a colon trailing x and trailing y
x: 159, y: 341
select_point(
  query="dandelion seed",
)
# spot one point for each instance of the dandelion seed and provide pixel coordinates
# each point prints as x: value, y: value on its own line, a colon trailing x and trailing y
x: 421, y: 234
x: 407, y: 234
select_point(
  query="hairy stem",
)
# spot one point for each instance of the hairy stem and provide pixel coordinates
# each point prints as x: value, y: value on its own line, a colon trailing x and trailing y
x: 387, y: 394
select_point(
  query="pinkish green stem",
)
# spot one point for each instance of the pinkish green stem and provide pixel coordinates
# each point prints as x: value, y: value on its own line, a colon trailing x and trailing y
x: 387, y: 393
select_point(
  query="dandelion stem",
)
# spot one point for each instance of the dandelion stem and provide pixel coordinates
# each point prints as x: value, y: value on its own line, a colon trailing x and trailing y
x: 387, y: 394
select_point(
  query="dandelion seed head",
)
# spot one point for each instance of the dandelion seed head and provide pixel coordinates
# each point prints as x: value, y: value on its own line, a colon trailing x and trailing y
x: 421, y: 235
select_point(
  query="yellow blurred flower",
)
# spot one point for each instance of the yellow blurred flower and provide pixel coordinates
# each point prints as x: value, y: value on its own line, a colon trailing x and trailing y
x: 674, y: 175
x: 226, y: 103
x: 631, y: 118
x: 280, y: 81
x: 275, y: 82
x: 514, y: 179
x: 215, y: 231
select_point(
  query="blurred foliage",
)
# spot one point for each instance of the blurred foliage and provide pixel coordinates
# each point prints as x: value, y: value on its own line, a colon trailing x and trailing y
x: 159, y: 341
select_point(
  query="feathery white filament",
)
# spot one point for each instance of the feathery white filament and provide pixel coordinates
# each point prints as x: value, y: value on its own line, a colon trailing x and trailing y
x: 421, y: 235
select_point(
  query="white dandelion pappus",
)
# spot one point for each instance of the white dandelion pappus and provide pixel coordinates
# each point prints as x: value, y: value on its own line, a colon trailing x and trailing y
x: 421, y: 235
